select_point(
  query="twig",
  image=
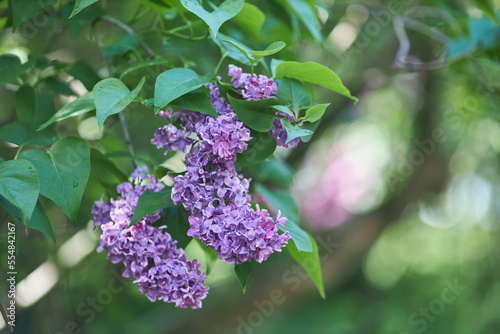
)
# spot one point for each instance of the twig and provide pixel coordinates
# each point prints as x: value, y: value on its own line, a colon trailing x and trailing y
x: 120, y: 114
x: 127, y: 136
x: 104, y: 58
x: 130, y: 31
x: 4, y: 315
x: 404, y: 48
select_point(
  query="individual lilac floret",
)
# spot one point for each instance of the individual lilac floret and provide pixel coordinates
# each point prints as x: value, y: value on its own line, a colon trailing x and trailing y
x: 161, y: 270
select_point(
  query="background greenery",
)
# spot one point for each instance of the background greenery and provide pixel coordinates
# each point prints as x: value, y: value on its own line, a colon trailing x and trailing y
x: 400, y: 190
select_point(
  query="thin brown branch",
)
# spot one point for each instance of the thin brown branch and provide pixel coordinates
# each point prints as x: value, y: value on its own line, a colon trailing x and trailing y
x: 130, y: 31
x: 4, y: 315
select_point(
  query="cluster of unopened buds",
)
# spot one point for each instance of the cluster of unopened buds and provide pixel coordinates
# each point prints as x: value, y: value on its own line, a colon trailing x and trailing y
x: 218, y: 198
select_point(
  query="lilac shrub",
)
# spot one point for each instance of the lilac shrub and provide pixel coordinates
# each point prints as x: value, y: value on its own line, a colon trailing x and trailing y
x: 149, y: 254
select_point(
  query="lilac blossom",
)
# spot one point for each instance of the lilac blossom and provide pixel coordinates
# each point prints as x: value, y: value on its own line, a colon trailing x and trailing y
x: 217, y: 196
x: 149, y: 254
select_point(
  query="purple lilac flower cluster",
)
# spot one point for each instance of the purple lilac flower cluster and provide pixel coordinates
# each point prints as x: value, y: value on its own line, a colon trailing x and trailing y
x: 217, y: 196
x: 252, y: 87
x: 150, y: 255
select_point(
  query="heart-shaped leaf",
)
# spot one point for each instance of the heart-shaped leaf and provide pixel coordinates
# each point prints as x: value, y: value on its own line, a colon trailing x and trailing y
x: 196, y: 101
x: 226, y: 10
x: 112, y: 96
x: 19, y: 188
x: 63, y: 172
x: 175, y: 83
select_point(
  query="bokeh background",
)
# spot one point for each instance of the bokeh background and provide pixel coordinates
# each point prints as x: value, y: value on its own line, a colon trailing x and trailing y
x: 401, y: 190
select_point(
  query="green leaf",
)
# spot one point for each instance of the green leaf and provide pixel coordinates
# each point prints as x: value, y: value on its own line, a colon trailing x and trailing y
x: 310, y: 262
x: 482, y: 33
x: 19, y: 187
x: 63, y: 172
x: 196, y: 101
x: 231, y: 50
x: 314, y: 73
x: 104, y: 168
x: 242, y: 49
x: 270, y: 50
x: 226, y: 89
x: 279, y: 200
x: 294, y: 93
x: 292, y: 131
x: 314, y: 113
x: 11, y: 67
x: 40, y: 222
x: 284, y: 202
x: 83, y: 72
x: 25, y: 104
x: 309, y: 126
x: 80, y: 5
x: 14, y: 132
x: 128, y: 43
x: 54, y: 85
x: 210, y: 257
x: 254, y: 113
x: 112, y: 96
x: 306, y: 14
x: 243, y: 272
x: 285, y: 110
x: 85, y: 18
x: 25, y: 10
x: 488, y: 8
x: 273, y: 171
x: 260, y: 147
x: 176, y: 219
x: 274, y: 63
x: 150, y: 202
x: 227, y: 10
x: 175, y: 83
x: 146, y: 63
x: 298, y: 235
x: 81, y: 105
x: 250, y: 19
